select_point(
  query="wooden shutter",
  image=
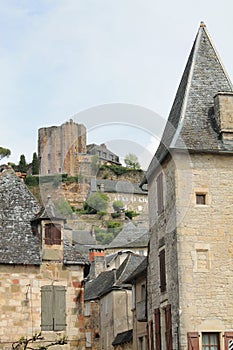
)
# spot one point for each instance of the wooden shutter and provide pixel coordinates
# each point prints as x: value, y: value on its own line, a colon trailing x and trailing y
x: 48, y: 234
x: 59, y: 308
x: 160, y: 193
x: 147, y: 337
x: 162, y: 268
x: 157, y: 329
x: 56, y: 234
x: 227, y: 336
x: 193, y: 340
x: 47, y: 308
x: 168, y: 322
x: 151, y: 336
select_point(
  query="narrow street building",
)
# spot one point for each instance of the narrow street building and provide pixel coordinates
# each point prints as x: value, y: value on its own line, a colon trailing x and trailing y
x: 41, y: 272
x: 190, y: 272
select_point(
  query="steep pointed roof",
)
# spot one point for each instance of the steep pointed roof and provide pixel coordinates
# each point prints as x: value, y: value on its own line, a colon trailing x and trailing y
x: 190, y: 123
x: 49, y: 212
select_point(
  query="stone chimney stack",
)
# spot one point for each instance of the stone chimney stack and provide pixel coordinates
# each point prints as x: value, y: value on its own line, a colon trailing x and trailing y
x: 223, y: 109
x: 97, y: 261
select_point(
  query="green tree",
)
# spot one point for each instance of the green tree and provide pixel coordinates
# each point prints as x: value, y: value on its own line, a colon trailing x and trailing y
x: 118, y: 206
x: 131, y: 161
x: 4, y: 152
x: 22, y: 164
x: 97, y: 202
x: 35, y: 164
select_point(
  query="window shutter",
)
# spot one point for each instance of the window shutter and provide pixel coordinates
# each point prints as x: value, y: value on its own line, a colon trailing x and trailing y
x: 227, y: 336
x: 157, y: 329
x: 147, y: 337
x: 59, y: 308
x: 168, y: 321
x: 193, y: 340
x: 46, y: 308
x: 151, y: 336
x: 48, y: 235
x: 162, y: 268
x: 160, y: 193
x: 88, y: 339
x: 56, y: 234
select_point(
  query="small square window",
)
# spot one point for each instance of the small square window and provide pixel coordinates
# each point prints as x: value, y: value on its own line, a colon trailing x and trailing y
x: 201, y: 198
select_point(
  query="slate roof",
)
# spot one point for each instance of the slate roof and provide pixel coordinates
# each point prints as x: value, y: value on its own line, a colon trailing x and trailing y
x: 124, y: 337
x: 130, y: 236
x: 191, y: 122
x: 114, y: 186
x: 73, y: 254
x: 139, y: 271
x: 110, y: 280
x: 83, y: 237
x: 18, y: 209
x: 18, y: 244
x: 99, y: 286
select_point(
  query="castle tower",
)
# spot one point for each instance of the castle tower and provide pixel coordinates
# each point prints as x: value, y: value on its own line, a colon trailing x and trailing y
x: 59, y: 146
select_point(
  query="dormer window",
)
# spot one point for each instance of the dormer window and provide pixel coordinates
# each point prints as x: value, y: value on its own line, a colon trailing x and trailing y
x: 52, y: 234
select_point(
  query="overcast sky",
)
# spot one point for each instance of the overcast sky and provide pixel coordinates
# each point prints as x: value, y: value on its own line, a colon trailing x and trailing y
x: 61, y: 59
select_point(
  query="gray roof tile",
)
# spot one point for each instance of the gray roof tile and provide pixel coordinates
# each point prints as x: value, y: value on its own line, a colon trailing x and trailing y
x: 18, y: 244
x: 130, y: 236
x: 190, y: 123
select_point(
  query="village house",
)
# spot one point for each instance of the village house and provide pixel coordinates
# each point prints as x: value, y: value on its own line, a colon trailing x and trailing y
x: 190, y: 263
x: 108, y: 303
x: 138, y: 279
x: 42, y: 273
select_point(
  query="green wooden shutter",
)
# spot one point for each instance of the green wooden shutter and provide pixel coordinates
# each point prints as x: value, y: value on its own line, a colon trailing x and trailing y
x: 59, y: 308
x: 47, y: 308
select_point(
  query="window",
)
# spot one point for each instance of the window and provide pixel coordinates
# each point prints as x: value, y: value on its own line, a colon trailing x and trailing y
x: 87, y: 309
x: 143, y: 292
x: 210, y: 341
x: 88, y: 339
x: 53, y: 308
x: 201, y: 198
x: 162, y: 269
x: 160, y: 193
x: 52, y: 234
x: 140, y: 343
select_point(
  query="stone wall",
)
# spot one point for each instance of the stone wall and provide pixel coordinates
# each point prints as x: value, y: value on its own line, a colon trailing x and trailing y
x: 205, y: 245
x: 114, y: 303
x: 20, y: 302
x: 198, y: 246
x: 163, y: 236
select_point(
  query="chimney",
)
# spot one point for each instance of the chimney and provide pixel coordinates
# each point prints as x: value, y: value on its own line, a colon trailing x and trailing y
x: 223, y: 110
x: 97, y: 261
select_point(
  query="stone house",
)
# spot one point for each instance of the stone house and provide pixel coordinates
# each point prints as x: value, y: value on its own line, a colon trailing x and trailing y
x: 138, y: 279
x: 190, y: 264
x: 41, y: 271
x: 105, y: 156
x: 108, y: 304
x: 129, y: 193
